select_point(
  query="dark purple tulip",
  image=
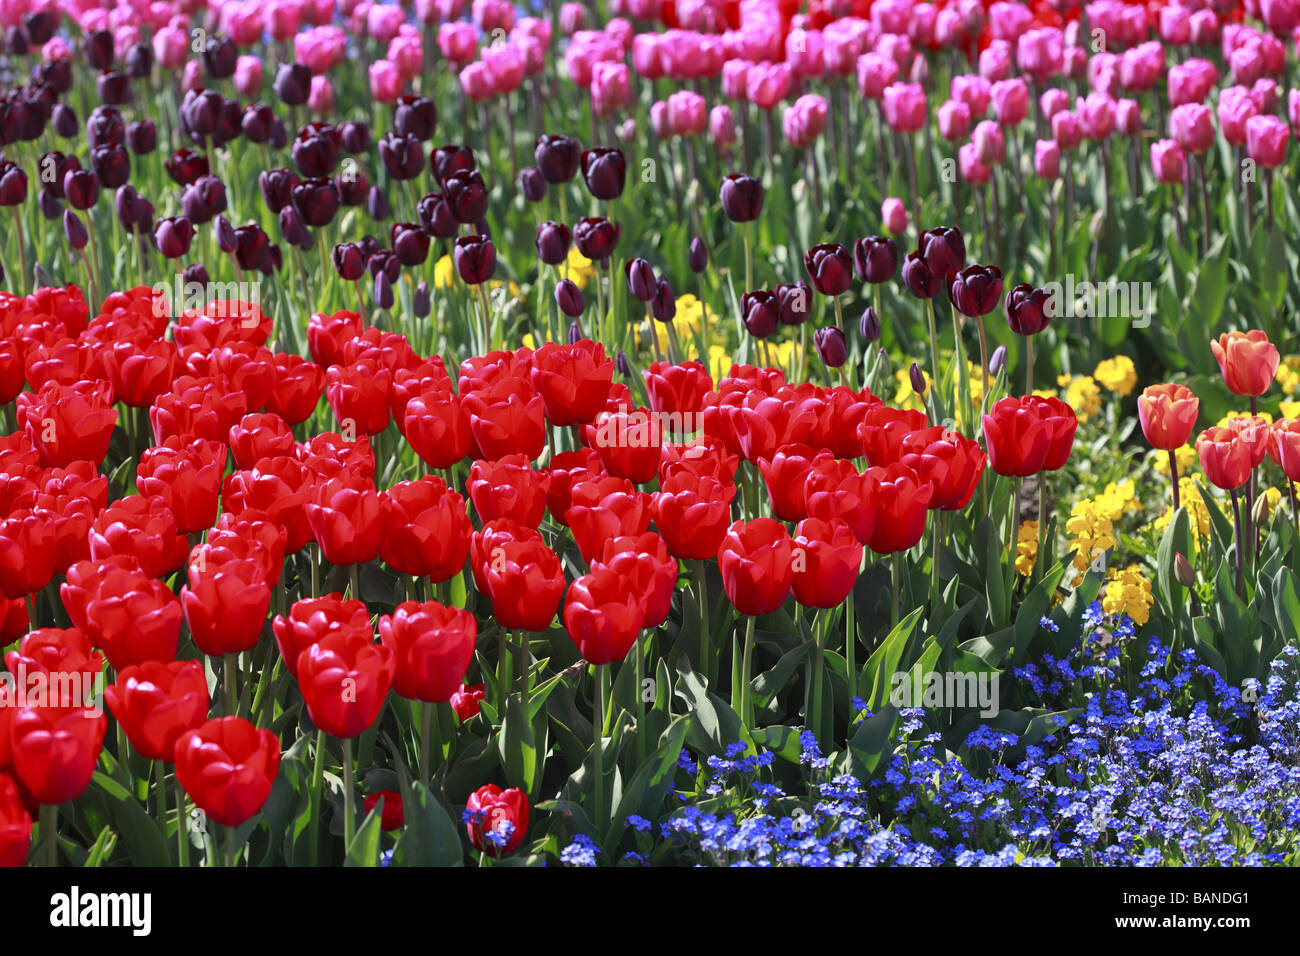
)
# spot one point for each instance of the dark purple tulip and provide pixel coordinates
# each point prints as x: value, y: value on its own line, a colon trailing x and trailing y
x: 127, y: 205
x: 219, y: 57
x: 114, y: 87
x: 557, y: 158
x: 80, y: 188
x: 436, y: 216
x: 829, y: 267
x: 173, y: 235
x: 292, y: 83
x: 105, y: 127
x: 13, y: 184
x: 998, y: 361
x: 39, y: 27
x: 466, y: 195
x: 421, y: 303
x: 975, y: 290
x: 402, y: 155
x: 596, y: 237
x: 292, y: 228
x: 111, y: 164
x: 742, y: 197
x: 49, y: 204
x: 140, y: 60
x: 257, y: 122
x: 253, y: 249
x: 383, y: 290
x: 605, y: 171
x: 355, y: 137
x: 377, y: 205
x: 553, y: 240
x: 279, y: 138
x: 144, y: 218
x: 228, y: 120
x: 794, y: 302
x: 760, y: 312
x: 99, y: 49
x: 354, y: 189
x: 369, y: 246
x: 54, y: 166
x: 875, y: 259
x: 196, y: 273
x: 385, y: 261
x: 142, y: 137
x: 410, y: 242
x: 574, y: 335
x: 640, y: 279
x: 569, y: 298
x: 415, y: 116
x: 663, y: 307
x: 316, y: 150
x: 449, y: 160
x: 11, y: 123
x: 56, y: 74
x: 531, y: 184
x: 200, y: 113
x: 831, y: 346
x: 699, y: 255
x: 349, y: 261
x: 225, y: 234
x: 16, y: 41
x: 277, y: 187
x: 944, y: 249
x: 1029, y: 310
x: 919, y: 278
x: 869, y: 326
x: 64, y: 121
x: 917, y: 378
x: 203, y: 199
x: 476, y: 259
x: 186, y: 166
x: 317, y: 200
x: 622, y: 364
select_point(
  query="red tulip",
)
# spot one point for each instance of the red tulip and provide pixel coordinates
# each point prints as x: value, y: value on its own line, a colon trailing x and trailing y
x: 1029, y: 434
x: 56, y: 748
x: 358, y: 394
x: 437, y: 427
x: 901, y: 501
x: 566, y: 469
x: 260, y: 435
x: 129, y: 615
x: 344, y: 515
x: 605, y: 507
x: 27, y: 553
x: 1253, y: 431
x: 629, y: 443
x: 755, y: 561
x: 644, y: 561
x: 426, y: 529
x: 826, y: 558
x: 495, y: 811
x: 466, y: 700
x: 227, y: 766
x: 837, y: 423
x: 298, y: 387
x: 391, y: 817
x: 573, y: 380
x: 603, y: 616
x: 56, y: 650
x: 1283, y: 448
x: 1247, y: 360
x: 279, y: 488
x: 702, y: 457
x: 677, y: 389
x: 142, y: 528
x: 507, y: 488
x: 327, y: 334
x: 225, y: 602
x: 197, y: 408
x: 241, y: 367
x: 69, y: 423
x: 520, y: 575
x: 771, y: 423
x: 311, y: 620
x: 156, y: 703
x: 330, y: 455
x: 186, y: 476
x: 1168, y: 415
x: 140, y: 371
x: 15, y: 825
x: 345, y: 678
x: 951, y: 463
x: 693, y: 515
x: 835, y: 489
x: 432, y: 645
x: 507, y: 418
x: 883, y: 429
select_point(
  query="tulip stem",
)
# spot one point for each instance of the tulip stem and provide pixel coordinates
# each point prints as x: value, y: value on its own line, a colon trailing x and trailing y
x: 49, y: 828
x: 851, y: 634
x: 23, y: 285
x: 1236, y: 527
x: 934, y: 344
x: 1040, y: 551
x: 749, y: 257
x: 503, y: 671
x: 813, y: 714
x: 896, y: 569
x: 426, y: 738
x: 317, y: 776
x: 228, y: 680
x: 522, y: 665
x: 1173, y: 475
x: 182, y: 825
x: 349, y: 784
x: 639, y: 650
x: 747, y: 656
x: 706, y: 634
x: 598, y: 744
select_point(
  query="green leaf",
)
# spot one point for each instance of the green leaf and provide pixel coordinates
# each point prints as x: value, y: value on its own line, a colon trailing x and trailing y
x: 364, y: 850
x: 648, y: 786
x: 140, y: 833
x: 887, y: 660
x: 429, y: 838
x: 871, y: 741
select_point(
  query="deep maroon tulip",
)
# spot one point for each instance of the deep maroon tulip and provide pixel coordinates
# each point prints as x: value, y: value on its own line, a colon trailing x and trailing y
x: 317, y: 200
x: 277, y: 187
x: 225, y: 234
x: 919, y: 278
x: 39, y: 27
x: 49, y: 204
x: 1029, y: 310
x: 200, y: 113
x: 699, y: 256
x: 410, y: 242
x: 640, y: 279
x: 829, y: 267
x: 975, y: 290
x: 476, y: 259
x: 663, y: 305
x: 378, y: 209
x: 279, y: 138
x: 386, y: 261
x: 569, y: 298
x: 869, y: 326
x: 553, y: 240
x: 16, y: 41
x: 532, y: 184
x: 113, y: 87
x: 402, y: 155
x: 383, y: 291
x: 742, y: 197
x: 449, y: 160
x: 420, y: 302
x: 253, y: 249
x: 99, y: 49
x: 219, y: 57
x: 74, y: 230
x: 292, y: 227
x: 140, y: 60
x: 13, y: 184
x: 203, y: 199
x: 794, y: 302
x: 129, y: 207
x: 604, y: 171
x: 196, y: 273
x: 53, y: 168
x: 944, y: 250
x: 105, y: 127
x: 173, y: 236
x: 292, y: 83
x: 349, y: 262
x: 875, y: 259
x: 415, y: 116
x: 80, y: 188
x: 466, y: 195
x: 186, y: 165
x: 111, y: 164
x: 760, y: 312
x: 596, y: 237
x: 354, y: 189
x: 257, y: 122
x: 316, y: 150
x: 831, y: 346
x: 142, y: 137
x: 355, y: 137
x: 436, y: 216
x: 557, y: 158
x: 64, y: 121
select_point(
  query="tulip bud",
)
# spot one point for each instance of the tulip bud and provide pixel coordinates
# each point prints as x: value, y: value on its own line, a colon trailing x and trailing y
x: 1183, y: 571
x: 420, y: 303
x: 917, y: 378
x: 1260, y: 512
x: 998, y: 361
x: 377, y: 205
x: 831, y: 346
x: 623, y: 364
x: 196, y: 273
x: 142, y: 137
x: 869, y: 326
x: 640, y: 279
x: 574, y: 335
x: 49, y: 204
x: 699, y: 257
x: 64, y: 120
x: 74, y: 230
x: 569, y: 298
x: 225, y: 234
x: 383, y: 291
x: 532, y: 184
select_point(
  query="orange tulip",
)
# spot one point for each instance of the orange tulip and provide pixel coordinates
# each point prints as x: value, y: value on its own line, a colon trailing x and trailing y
x: 1225, y: 457
x: 1284, y: 446
x: 1168, y: 415
x: 1248, y: 361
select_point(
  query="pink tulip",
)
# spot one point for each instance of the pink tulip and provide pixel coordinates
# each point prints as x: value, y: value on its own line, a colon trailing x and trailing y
x: 493, y: 15
x: 954, y: 120
x: 990, y: 144
x: 803, y: 51
x: 1128, y: 117
x: 248, y: 76
x: 972, y: 170
x: 875, y: 72
x: 646, y: 59
x: 1168, y: 162
x: 767, y: 84
x: 1096, y: 115
x: 320, y: 98
x: 1041, y: 53
x: 1009, y: 20
x: 1203, y: 27
x: 1236, y: 106
x: 1066, y: 129
x: 722, y: 127
x: 1191, y: 127
x: 171, y: 46
x: 1266, y: 138
x: 735, y: 79
x: 407, y: 51
x: 476, y: 82
x: 688, y: 114
x: 995, y: 61
x: 610, y: 87
x: 1293, y: 108
x: 904, y: 105
x: 1191, y: 82
x: 282, y: 19
x: 893, y: 213
x: 1010, y: 101
x: 1175, y: 25
x: 505, y: 64
x: 1047, y: 158
x: 573, y: 17
x: 659, y: 119
x: 804, y: 121
x: 1053, y: 101
x: 385, y: 81
x: 974, y: 91
x: 458, y: 43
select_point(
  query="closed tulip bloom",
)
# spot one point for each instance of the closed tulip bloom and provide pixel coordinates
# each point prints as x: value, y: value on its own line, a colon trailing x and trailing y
x: 951, y: 463
x: 1047, y: 158
x: 826, y: 557
x: 1225, y: 457
x: 345, y: 678
x: 432, y: 647
x: 573, y: 380
x: 391, y: 817
x: 358, y: 393
x: 629, y: 443
x: 311, y: 620
x: 693, y: 514
x: 156, y: 703
x: 465, y: 702
x: 131, y: 616
x: 226, y: 604
x: 603, y: 616
x: 227, y: 767
x: 922, y: 281
x: 557, y: 157
x: 427, y: 529
x: 676, y: 389
x: 187, y: 477
x: 524, y: 580
x: 901, y: 501
x: 829, y: 268
x: 755, y: 562
x: 143, y: 528
x: 1029, y: 310
x: 476, y: 259
x: 507, y: 488
x: 1266, y: 139
x: 1283, y: 447
x: 1168, y: 162
x: 742, y: 197
x: 605, y: 507
x: 596, y: 237
x: 875, y: 258
x: 976, y: 290
x: 1192, y: 127
x: 1254, y: 433
x: 1247, y: 360
x: 604, y: 171
x: 503, y: 814
x: 1029, y: 434
x: 786, y: 473
x: 27, y: 553
x: 55, y: 749
x: 437, y: 427
x: 1168, y: 415
x: 15, y: 823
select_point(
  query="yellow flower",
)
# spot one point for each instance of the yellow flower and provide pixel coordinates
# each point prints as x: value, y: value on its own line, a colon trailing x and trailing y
x: 1288, y: 374
x: 1026, y: 548
x: 1190, y: 498
x: 692, y: 314
x: 1118, y: 500
x: 1046, y: 393
x: 579, y: 268
x: 720, y: 362
x: 1091, y: 532
x: 444, y: 273
x: 975, y: 376
x: 906, y: 396
x: 1128, y: 592
x: 1274, y: 496
x: 784, y: 352
x: 1186, y: 457
x: 1289, y: 409
x: 1117, y: 374
x: 1081, y: 394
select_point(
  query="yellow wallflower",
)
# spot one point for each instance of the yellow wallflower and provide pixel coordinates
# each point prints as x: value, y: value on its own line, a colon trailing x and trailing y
x: 1190, y: 498
x: 1046, y: 393
x: 1117, y: 374
x: 1223, y: 422
x: 975, y: 376
x: 444, y: 273
x: 1185, y: 456
x: 1091, y: 532
x: 579, y: 268
x: 1289, y: 409
x: 784, y: 352
x: 1026, y: 548
x: 1128, y: 592
x: 692, y: 315
x: 1288, y: 374
x: 720, y: 362
x: 1081, y: 394
x: 1118, y: 500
